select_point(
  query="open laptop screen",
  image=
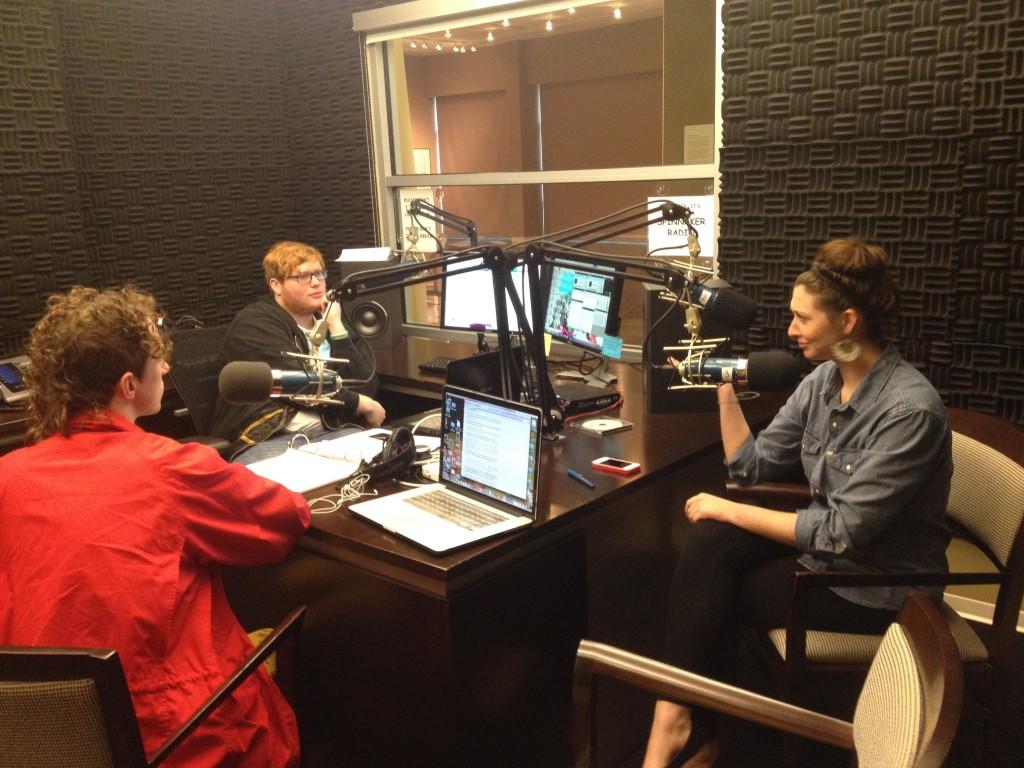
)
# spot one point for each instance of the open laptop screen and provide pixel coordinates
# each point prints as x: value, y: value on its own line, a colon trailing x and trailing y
x: 490, y: 446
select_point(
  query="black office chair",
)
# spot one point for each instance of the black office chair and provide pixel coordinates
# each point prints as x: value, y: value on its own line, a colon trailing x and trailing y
x: 70, y: 707
x: 195, y: 365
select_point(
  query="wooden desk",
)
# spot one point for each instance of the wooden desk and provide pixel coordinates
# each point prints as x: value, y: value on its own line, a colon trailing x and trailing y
x: 466, y: 659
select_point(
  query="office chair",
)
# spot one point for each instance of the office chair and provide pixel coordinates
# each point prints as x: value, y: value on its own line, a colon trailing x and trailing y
x: 986, y: 509
x: 906, y: 715
x: 70, y: 707
x: 195, y: 367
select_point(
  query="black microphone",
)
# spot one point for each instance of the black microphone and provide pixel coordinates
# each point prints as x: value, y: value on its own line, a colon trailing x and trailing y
x: 243, y: 382
x: 767, y: 371
x: 724, y: 305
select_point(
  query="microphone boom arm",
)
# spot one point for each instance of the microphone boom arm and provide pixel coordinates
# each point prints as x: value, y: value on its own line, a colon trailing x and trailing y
x: 440, y: 216
x: 533, y: 254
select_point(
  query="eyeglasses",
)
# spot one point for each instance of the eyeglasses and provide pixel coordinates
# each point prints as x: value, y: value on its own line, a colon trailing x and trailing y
x: 304, y: 278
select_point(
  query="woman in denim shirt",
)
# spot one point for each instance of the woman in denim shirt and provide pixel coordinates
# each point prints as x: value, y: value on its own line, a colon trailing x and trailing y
x: 873, y: 439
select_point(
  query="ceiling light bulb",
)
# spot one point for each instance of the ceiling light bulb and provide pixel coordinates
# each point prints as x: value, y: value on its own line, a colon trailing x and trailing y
x: 617, y: 13
x: 472, y: 49
x: 448, y: 33
x: 504, y: 22
x: 412, y: 44
x: 438, y: 47
x: 490, y: 37
x: 548, y: 25
x: 572, y: 10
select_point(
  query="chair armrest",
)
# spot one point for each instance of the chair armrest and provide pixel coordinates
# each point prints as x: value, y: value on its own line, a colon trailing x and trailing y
x: 790, y: 495
x: 291, y: 623
x: 805, y: 581
x: 672, y: 683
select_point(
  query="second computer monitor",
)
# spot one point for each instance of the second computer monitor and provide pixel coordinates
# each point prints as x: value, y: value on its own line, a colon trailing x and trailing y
x: 583, y: 306
x: 467, y: 300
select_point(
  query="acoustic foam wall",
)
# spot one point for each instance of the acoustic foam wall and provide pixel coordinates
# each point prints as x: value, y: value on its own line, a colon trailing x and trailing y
x: 331, y: 153
x: 180, y: 145
x: 900, y: 122
x: 171, y: 144
x: 42, y: 241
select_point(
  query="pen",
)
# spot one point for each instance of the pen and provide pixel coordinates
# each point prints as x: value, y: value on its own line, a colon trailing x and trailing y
x: 580, y: 478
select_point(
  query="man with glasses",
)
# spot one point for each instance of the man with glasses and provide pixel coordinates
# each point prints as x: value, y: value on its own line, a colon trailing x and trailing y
x: 285, y: 322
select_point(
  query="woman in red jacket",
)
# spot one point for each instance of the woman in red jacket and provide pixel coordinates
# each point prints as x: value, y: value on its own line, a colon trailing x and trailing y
x: 112, y: 536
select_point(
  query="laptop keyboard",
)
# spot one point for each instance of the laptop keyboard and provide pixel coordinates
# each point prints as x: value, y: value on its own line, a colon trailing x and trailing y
x: 455, y: 510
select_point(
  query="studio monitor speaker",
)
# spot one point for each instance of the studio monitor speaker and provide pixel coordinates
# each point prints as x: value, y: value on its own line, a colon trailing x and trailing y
x: 671, y: 331
x: 376, y: 317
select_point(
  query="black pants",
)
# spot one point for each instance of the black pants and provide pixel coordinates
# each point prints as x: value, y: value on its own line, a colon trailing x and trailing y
x: 727, y: 577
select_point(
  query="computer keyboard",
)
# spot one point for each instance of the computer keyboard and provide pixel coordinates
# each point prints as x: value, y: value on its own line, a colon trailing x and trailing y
x: 437, y: 365
x: 455, y: 510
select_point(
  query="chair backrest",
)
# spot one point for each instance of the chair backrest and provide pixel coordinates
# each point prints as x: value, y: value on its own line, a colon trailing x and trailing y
x: 66, y: 708
x: 986, y: 495
x: 909, y: 707
x: 195, y: 366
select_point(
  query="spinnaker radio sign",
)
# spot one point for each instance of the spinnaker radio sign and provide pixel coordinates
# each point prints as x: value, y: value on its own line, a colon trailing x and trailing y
x: 669, y: 239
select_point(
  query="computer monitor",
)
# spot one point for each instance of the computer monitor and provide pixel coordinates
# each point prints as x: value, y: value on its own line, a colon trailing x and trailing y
x: 583, y: 306
x: 467, y: 299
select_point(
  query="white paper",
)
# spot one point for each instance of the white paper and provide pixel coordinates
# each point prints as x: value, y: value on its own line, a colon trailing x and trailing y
x: 671, y: 235
x: 699, y: 143
x: 328, y: 461
x: 365, y: 254
x: 301, y: 471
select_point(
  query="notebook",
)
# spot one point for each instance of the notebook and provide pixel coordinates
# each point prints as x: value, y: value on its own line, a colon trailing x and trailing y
x: 489, y: 468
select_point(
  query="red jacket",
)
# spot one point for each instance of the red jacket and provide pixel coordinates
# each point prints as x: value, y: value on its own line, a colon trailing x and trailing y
x: 111, y: 539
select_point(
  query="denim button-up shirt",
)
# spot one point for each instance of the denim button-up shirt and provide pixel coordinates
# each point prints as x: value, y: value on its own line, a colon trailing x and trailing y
x: 879, y: 468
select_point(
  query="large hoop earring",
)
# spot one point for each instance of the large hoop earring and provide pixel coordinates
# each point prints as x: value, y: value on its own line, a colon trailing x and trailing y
x: 846, y: 350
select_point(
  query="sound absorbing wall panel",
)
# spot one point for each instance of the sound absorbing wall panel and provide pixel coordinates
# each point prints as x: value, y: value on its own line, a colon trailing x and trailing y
x: 901, y: 122
x: 170, y: 144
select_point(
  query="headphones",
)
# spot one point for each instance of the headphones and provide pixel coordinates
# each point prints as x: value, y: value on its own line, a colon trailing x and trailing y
x: 394, y: 459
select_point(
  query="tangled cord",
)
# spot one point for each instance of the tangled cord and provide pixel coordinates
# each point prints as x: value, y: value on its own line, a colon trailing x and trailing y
x: 353, y: 490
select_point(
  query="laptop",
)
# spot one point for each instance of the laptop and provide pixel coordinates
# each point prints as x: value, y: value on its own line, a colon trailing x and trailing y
x: 488, y: 473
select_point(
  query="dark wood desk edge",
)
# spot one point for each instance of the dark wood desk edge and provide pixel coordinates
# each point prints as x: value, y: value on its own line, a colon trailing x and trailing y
x: 443, y: 575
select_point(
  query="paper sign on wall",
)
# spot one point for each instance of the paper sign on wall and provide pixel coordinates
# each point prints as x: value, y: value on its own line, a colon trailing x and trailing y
x: 672, y: 235
x: 415, y: 234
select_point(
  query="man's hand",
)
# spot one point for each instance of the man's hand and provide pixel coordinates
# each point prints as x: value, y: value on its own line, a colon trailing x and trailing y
x: 332, y: 312
x: 370, y: 411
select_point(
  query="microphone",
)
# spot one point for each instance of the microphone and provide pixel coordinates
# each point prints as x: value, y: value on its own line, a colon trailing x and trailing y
x: 724, y: 305
x: 242, y: 382
x: 768, y: 371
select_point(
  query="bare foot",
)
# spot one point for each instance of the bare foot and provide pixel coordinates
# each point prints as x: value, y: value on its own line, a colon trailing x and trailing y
x: 670, y: 730
x: 706, y: 756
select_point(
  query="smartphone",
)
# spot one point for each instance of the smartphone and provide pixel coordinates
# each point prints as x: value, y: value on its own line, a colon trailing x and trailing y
x: 615, y: 466
x: 13, y: 389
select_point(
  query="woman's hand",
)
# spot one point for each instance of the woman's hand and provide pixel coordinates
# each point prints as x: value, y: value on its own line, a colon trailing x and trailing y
x: 778, y: 526
x: 706, y: 506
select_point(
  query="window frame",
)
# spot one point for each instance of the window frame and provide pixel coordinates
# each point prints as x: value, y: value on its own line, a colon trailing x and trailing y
x: 381, y: 26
